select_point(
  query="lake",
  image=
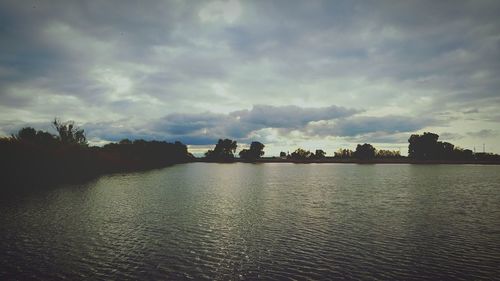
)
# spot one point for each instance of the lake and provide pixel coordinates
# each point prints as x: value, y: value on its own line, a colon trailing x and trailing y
x: 268, y: 221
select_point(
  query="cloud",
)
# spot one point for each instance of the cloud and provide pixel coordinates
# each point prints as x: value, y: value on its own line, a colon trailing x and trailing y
x: 379, y: 138
x: 485, y: 133
x: 290, y: 116
x: 447, y: 136
x: 361, y: 125
x: 158, y: 65
x: 208, y: 126
x: 228, y: 11
x: 471, y: 111
x: 270, y: 123
x: 184, y: 123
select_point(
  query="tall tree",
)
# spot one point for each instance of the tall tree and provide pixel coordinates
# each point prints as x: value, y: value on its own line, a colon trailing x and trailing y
x: 300, y: 154
x: 255, y: 152
x: 423, y: 146
x: 364, y: 151
x: 320, y: 153
x: 343, y: 153
x: 31, y: 135
x: 223, y: 151
x: 69, y: 133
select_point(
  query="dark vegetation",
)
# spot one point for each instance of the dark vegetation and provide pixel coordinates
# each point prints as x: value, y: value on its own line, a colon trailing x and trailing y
x: 223, y: 151
x: 302, y: 155
x: 38, y: 157
x: 255, y: 152
x: 427, y: 147
x: 363, y: 152
x: 423, y: 148
x: 225, y: 148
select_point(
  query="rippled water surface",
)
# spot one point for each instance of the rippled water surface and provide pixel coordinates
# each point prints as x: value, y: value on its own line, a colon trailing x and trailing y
x: 269, y: 221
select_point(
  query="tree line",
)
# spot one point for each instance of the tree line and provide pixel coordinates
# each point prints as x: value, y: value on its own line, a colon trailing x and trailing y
x: 421, y: 147
x: 35, y: 156
x: 225, y: 148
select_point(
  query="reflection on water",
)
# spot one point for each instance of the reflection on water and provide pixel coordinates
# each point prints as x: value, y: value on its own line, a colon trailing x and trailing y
x: 272, y: 221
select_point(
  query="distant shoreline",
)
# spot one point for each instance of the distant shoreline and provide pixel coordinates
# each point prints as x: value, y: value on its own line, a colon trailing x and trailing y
x: 352, y: 161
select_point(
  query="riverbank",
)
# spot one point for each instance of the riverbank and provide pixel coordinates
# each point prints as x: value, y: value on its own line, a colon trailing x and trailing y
x: 33, y: 163
x: 402, y: 160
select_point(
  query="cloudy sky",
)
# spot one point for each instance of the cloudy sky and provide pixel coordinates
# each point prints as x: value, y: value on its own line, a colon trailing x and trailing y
x: 311, y: 74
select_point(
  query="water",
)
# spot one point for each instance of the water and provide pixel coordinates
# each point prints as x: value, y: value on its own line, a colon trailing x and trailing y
x: 269, y: 221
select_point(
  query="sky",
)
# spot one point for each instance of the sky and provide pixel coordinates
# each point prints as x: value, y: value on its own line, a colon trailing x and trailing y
x: 310, y: 74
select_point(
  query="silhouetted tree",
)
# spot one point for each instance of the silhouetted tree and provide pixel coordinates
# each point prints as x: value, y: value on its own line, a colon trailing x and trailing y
x: 282, y: 154
x: 364, y: 151
x: 30, y: 135
x: 255, y: 152
x: 45, y: 138
x: 445, y: 150
x: 125, y: 141
x: 69, y: 133
x: 343, y: 153
x: 26, y: 134
x: 142, y: 154
x: 486, y: 156
x: 223, y: 151
x: 320, y: 154
x: 388, y: 154
x: 427, y: 147
x: 39, y: 157
x: 466, y: 154
x: 423, y: 146
x: 300, y: 154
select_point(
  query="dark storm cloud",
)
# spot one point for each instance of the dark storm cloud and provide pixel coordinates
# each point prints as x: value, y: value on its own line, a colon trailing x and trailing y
x: 205, y: 128
x: 209, y: 126
x: 185, y: 123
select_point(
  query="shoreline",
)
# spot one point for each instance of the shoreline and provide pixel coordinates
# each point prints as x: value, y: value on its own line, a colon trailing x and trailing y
x: 17, y: 182
x: 330, y: 160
